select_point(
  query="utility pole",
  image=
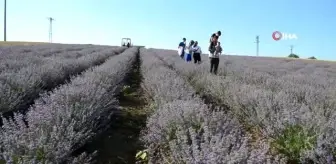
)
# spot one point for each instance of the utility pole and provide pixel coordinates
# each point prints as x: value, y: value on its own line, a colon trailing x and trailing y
x: 291, y: 49
x: 50, y: 28
x: 5, y: 22
x: 257, y: 42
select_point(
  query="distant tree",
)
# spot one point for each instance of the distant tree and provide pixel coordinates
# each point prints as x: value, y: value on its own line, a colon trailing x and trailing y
x: 312, y: 57
x: 293, y: 56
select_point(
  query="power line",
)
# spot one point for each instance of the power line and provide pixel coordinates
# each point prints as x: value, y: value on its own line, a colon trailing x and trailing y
x: 50, y: 28
x: 257, y: 42
x: 5, y: 22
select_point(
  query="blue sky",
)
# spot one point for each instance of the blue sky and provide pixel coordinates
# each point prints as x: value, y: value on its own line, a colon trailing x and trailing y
x: 163, y: 23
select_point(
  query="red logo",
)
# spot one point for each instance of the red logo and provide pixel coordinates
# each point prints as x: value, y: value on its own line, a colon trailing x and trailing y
x: 276, y: 35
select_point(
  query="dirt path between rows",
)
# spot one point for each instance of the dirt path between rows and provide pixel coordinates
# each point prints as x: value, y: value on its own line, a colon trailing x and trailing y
x: 120, y: 142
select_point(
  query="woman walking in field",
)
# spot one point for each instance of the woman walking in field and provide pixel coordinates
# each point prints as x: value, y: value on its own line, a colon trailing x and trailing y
x: 215, y: 50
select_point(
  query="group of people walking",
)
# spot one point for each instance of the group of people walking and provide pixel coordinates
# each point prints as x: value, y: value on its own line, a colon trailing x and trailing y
x: 193, y: 50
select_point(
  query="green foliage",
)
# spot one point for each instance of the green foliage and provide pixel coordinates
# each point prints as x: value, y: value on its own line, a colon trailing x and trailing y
x: 312, y: 57
x: 172, y: 131
x: 17, y: 159
x: 293, y: 141
x: 41, y: 155
x: 197, y: 126
x: 126, y: 90
x: 293, y: 56
x: 142, y: 156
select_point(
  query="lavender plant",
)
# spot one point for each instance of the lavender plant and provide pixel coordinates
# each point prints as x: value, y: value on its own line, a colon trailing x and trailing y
x: 66, y: 118
x: 19, y: 88
x: 184, y: 130
x: 26, y: 52
x: 22, y: 59
x: 50, y: 47
x: 273, y: 95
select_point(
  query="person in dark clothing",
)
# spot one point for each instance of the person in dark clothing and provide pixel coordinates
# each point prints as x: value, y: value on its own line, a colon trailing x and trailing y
x: 212, y: 46
x: 197, y: 53
x: 213, y: 39
x: 215, y: 51
x: 214, y: 62
x: 182, y: 45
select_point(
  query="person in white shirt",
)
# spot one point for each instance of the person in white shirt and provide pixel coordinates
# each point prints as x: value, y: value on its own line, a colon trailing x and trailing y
x: 181, y: 48
x: 189, y: 51
x: 197, y: 53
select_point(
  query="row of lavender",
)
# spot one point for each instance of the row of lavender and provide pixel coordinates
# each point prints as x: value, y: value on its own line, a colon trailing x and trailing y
x: 66, y: 118
x: 18, y: 88
x: 16, y: 60
x: 289, y: 104
x: 6, y: 51
x: 182, y: 129
x: 9, y: 53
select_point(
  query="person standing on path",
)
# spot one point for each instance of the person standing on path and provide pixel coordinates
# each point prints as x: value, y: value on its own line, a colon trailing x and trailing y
x: 181, y: 48
x: 215, y: 51
x: 197, y: 53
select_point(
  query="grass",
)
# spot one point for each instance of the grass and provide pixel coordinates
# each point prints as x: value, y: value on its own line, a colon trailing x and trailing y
x: 121, y: 144
x: 293, y: 141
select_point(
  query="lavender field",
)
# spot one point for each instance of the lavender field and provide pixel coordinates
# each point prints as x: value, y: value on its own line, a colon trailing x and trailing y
x: 98, y: 104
